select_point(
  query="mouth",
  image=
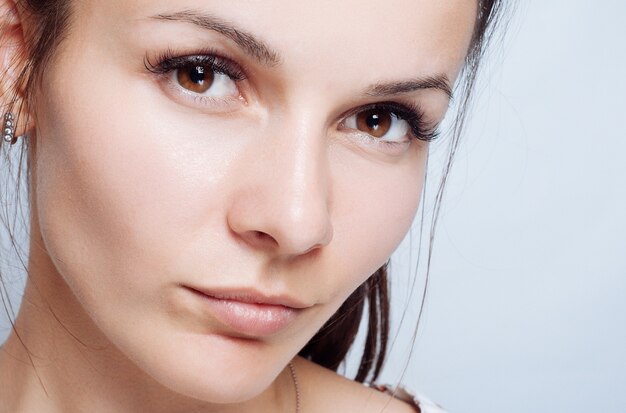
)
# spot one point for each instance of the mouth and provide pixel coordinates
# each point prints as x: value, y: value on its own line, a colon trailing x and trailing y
x: 249, y: 313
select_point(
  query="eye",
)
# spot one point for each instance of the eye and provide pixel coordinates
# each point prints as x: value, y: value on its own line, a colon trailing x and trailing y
x: 381, y: 124
x: 205, y: 80
x: 392, y: 123
x: 205, y: 75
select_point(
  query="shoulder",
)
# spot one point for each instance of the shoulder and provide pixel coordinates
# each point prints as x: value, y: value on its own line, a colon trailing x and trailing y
x: 325, y: 391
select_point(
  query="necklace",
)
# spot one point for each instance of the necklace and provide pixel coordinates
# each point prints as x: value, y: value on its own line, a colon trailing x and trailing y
x: 294, y: 377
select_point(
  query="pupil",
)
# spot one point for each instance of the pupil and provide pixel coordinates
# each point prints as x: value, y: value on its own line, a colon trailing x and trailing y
x: 197, y: 75
x: 373, y: 121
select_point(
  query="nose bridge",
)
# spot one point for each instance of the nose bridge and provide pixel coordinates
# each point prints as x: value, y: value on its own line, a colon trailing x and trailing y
x: 291, y: 189
x: 305, y: 177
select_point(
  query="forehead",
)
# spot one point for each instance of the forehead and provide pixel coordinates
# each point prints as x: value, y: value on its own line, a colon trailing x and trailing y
x: 404, y: 37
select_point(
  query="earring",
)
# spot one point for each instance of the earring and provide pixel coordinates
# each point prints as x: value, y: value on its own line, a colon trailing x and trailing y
x: 9, y: 128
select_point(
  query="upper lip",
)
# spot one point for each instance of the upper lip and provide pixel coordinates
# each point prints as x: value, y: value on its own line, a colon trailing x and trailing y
x: 251, y: 296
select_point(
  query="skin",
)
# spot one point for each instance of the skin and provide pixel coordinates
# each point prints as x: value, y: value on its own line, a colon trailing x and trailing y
x: 138, y: 188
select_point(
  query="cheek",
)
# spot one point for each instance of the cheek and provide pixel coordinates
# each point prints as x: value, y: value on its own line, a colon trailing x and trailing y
x: 375, y: 205
x: 119, y: 186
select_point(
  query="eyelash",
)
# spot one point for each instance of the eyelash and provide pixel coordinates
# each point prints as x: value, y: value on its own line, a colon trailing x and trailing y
x: 169, y: 61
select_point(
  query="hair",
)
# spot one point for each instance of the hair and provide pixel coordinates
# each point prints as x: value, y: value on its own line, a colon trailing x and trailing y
x: 330, y: 346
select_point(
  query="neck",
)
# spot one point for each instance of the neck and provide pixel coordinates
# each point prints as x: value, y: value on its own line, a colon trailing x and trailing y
x: 71, y: 367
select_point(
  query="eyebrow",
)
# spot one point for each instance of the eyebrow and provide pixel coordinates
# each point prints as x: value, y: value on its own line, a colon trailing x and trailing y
x: 251, y: 45
x: 440, y: 82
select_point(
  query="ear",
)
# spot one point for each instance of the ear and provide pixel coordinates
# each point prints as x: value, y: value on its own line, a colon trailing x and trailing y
x: 13, y: 61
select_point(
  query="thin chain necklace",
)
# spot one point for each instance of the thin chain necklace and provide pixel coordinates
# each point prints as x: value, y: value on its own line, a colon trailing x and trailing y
x: 294, y: 376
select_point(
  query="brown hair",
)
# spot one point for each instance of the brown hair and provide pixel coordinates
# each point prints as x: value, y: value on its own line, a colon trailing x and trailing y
x: 329, y: 347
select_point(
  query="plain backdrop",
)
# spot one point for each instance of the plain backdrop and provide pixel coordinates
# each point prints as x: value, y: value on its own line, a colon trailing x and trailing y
x: 526, y: 302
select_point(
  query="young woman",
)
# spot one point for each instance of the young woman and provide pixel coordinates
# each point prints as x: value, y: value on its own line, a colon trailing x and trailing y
x: 215, y: 188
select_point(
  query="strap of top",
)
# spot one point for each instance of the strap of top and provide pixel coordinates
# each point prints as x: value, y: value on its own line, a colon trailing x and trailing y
x: 421, y: 403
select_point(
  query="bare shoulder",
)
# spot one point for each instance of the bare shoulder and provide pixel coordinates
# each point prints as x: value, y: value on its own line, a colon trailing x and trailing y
x: 323, y: 390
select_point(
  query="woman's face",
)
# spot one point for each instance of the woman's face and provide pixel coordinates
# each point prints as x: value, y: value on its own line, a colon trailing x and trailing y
x: 262, y: 151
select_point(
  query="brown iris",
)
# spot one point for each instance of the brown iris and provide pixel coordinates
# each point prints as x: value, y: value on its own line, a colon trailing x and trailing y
x: 374, y: 122
x: 197, y: 79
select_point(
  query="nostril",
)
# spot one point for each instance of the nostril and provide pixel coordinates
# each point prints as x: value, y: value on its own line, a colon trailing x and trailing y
x: 261, y: 235
x: 262, y: 239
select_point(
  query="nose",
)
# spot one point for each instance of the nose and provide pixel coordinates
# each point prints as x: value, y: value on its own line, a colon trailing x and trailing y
x: 282, y: 202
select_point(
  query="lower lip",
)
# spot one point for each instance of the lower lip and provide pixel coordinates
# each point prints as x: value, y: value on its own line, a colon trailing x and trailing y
x: 250, y: 319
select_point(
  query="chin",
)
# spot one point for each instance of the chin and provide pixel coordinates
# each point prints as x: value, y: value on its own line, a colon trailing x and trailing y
x: 212, y: 368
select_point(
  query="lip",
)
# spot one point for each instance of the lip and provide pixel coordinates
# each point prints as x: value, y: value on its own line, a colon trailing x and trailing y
x: 250, y: 312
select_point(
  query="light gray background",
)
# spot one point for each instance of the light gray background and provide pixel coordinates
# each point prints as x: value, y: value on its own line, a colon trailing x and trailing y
x: 526, y: 302
x: 526, y: 309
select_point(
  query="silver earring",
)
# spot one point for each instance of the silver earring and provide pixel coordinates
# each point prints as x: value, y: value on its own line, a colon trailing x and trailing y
x: 9, y: 128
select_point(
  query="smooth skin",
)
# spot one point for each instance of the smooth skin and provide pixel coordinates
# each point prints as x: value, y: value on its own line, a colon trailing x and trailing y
x: 141, y: 186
